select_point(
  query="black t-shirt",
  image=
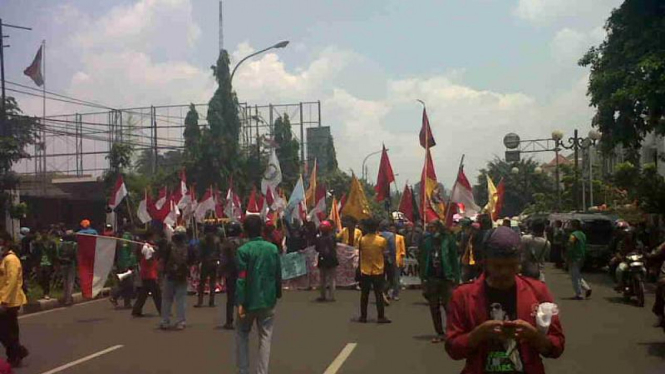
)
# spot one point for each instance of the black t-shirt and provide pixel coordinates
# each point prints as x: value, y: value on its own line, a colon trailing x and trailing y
x: 503, y: 355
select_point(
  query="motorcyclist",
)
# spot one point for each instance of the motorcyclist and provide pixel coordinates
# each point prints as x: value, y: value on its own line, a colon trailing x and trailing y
x: 629, y: 244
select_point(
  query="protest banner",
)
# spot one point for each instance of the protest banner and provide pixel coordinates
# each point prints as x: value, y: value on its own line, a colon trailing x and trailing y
x: 294, y: 265
x: 411, y: 271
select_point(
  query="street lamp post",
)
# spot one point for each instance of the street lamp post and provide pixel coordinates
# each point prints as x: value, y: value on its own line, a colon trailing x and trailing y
x: 576, y: 144
x: 364, y: 176
x: 281, y: 44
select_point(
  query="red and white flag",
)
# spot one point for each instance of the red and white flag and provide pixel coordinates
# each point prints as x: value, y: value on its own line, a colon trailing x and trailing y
x: 233, y: 208
x: 172, y: 218
x: 34, y: 71
x: 119, y: 193
x: 95, y: 260
x: 206, y: 204
x: 463, y: 193
x: 143, y: 213
x: 318, y: 213
x: 161, y: 199
x: 252, y: 204
x: 189, y: 210
x: 182, y: 198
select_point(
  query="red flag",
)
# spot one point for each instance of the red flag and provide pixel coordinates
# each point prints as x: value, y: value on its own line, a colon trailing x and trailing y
x: 385, y: 178
x: 426, y: 137
x: 500, y: 190
x: 119, y: 193
x: 252, y: 205
x: 406, y: 204
x: 34, y: 71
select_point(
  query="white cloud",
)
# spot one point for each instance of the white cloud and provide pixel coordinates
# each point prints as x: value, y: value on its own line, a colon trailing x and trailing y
x: 546, y: 11
x: 569, y: 45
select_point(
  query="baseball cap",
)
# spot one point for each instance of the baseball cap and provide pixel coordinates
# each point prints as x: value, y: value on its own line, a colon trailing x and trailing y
x: 503, y: 243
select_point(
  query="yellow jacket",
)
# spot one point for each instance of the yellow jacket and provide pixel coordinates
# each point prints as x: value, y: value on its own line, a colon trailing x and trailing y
x: 373, y: 247
x: 400, y: 252
x: 11, y: 281
x: 343, y: 237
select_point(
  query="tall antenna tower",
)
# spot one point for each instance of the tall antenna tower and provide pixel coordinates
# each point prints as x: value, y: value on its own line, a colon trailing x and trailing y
x: 221, y: 28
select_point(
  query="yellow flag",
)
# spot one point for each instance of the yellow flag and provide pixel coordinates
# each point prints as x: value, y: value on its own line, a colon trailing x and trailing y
x: 356, y: 203
x: 492, y: 196
x: 334, y: 216
x: 310, y: 195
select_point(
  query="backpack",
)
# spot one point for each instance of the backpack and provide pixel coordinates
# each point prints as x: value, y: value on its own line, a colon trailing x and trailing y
x: 176, y: 266
x: 67, y: 253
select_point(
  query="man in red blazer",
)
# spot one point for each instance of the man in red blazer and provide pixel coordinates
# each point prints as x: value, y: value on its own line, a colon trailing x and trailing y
x: 491, y: 322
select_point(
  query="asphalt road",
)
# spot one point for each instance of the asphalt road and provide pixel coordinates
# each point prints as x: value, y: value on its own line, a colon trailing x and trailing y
x: 603, y: 335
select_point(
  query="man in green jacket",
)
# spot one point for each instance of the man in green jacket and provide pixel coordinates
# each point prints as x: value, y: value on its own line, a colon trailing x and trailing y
x: 575, y: 253
x: 258, y: 287
x: 440, y: 272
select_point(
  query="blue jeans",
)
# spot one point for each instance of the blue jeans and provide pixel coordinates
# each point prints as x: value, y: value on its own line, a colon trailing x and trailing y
x: 264, y: 322
x: 579, y: 283
x: 178, y: 291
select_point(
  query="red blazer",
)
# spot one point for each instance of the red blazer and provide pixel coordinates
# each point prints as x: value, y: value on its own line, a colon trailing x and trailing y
x: 468, y: 309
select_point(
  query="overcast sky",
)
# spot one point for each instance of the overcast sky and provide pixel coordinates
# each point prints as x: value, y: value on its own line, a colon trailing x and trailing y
x: 484, y: 67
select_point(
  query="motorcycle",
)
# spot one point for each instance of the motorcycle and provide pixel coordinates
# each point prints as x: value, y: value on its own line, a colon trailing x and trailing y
x: 634, y: 278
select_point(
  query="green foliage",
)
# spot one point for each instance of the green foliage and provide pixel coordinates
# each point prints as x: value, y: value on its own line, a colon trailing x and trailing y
x: 646, y: 187
x: 628, y: 74
x: 192, y: 133
x: 287, y: 152
x: 120, y: 157
x: 520, y: 189
x: 21, y: 132
x: 625, y: 176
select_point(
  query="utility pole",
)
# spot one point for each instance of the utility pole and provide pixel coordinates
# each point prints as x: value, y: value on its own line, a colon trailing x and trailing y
x: 3, y: 129
x: 221, y: 28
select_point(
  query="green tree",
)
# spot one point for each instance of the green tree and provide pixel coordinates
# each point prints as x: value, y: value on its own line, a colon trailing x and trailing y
x: 287, y: 151
x: 20, y: 131
x: 192, y: 133
x: 628, y: 74
x: 331, y: 157
x: 520, y: 188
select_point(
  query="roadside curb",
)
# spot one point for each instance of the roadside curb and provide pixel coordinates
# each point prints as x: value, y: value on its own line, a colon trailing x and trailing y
x: 43, y: 305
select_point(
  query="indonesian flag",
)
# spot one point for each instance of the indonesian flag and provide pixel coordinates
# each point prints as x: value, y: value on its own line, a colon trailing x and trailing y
x: 206, y: 204
x: 233, y: 208
x: 34, y: 71
x: 318, y: 213
x: 95, y: 260
x: 189, y: 209
x: 182, y: 198
x: 172, y: 218
x: 462, y: 193
x: 143, y: 213
x: 161, y: 199
x: 119, y: 193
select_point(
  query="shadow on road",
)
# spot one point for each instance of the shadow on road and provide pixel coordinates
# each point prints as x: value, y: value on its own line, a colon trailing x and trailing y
x: 92, y: 320
x: 656, y: 349
x: 424, y: 337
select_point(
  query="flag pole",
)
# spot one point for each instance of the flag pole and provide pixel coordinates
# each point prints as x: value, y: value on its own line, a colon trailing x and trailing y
x: 452, y: 192
x: 42, y: 155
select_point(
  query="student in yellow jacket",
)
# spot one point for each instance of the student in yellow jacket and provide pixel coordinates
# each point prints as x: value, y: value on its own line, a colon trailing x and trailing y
x: 400, y: 255
x: 350, y: 227
x: 11, y: 300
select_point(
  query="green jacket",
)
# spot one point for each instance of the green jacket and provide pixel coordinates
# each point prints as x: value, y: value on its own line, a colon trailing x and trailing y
x: 45, y: 252
x: 576, y: 246
x: 259, y: 283
x: 126, y: 258
x: 448, y: 253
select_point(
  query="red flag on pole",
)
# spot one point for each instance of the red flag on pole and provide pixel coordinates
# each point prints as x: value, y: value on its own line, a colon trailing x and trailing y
x: 426, y: 137
x: 385, y: 178
x: 406, y: 203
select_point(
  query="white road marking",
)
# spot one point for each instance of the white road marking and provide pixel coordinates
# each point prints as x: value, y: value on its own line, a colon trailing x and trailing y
x: 58, y: 309
x: 339, y: 360
x: 82, y: 360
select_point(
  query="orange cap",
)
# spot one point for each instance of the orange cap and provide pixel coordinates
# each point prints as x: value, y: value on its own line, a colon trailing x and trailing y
x: 85, y: 223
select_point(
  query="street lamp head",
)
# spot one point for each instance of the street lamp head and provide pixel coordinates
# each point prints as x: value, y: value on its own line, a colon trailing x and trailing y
x: 538, y: 170
x: 515, y: 170
x: 557, y: 135
x: 281, y: 44
x: 595, y: 135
